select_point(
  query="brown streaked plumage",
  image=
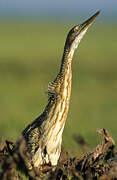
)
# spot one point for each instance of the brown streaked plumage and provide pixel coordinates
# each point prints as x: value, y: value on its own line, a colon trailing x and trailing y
x: 43, y: 137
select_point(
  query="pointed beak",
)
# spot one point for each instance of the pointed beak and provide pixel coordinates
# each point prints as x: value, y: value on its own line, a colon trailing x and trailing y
x: 88, y: 22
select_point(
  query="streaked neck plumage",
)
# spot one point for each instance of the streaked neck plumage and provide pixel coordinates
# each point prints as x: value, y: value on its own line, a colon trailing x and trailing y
x: 59, y: 92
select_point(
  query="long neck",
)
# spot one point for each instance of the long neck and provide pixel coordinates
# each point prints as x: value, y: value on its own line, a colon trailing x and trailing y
x: 59, y: 92
x: 62, y: 82
x: 57, y: 109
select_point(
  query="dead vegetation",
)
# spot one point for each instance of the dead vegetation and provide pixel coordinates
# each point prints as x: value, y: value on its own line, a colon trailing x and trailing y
x: 100, y: 163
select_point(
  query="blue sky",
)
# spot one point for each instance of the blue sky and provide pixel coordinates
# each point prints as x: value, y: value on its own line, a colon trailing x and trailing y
x: 57, y: 8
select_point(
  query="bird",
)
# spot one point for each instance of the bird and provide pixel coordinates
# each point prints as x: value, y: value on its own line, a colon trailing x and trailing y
x: 43, y: 136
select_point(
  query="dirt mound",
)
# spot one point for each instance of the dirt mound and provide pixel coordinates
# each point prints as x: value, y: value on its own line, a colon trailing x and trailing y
x: 101, y: 163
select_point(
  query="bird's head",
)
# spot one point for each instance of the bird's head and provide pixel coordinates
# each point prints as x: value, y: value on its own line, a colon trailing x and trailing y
x: 77, y: 32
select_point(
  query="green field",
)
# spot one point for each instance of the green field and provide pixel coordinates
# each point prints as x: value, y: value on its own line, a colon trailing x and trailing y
x: 30, y: 55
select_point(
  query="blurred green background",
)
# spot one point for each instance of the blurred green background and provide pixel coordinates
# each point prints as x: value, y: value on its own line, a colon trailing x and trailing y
x: 30, y: 55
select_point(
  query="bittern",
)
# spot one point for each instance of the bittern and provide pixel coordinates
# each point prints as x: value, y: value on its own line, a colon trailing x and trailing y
x: 43, y: 137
